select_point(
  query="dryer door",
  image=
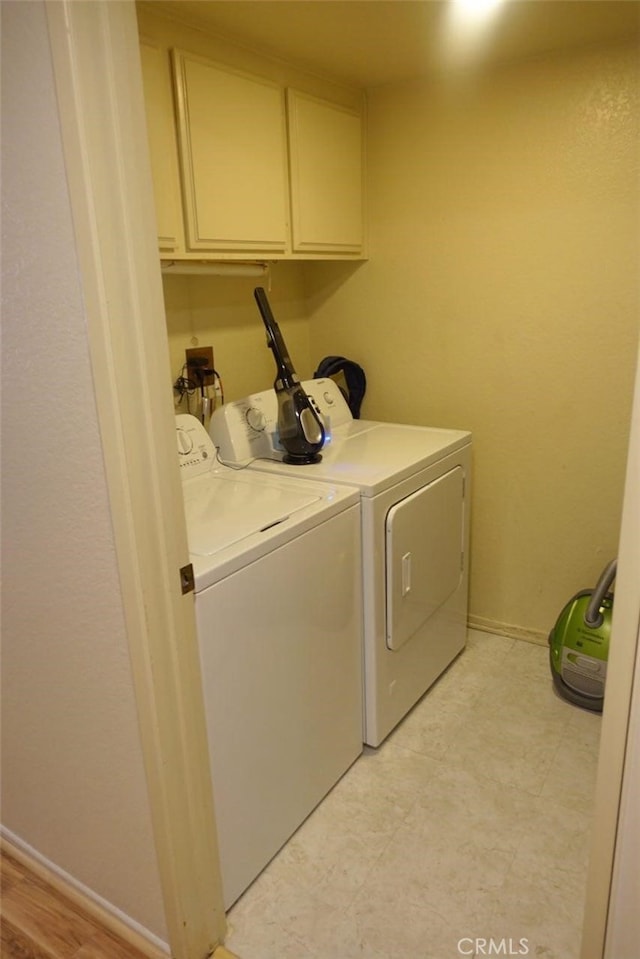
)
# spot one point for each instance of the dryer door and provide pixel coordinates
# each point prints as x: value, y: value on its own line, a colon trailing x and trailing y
x: 424, y: 554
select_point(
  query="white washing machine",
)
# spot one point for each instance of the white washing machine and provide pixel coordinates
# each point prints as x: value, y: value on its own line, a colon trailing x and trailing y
x: 279, y: 621
x: 414, y: 486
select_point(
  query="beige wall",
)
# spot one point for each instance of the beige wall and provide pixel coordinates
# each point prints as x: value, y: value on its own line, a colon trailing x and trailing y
x: 73, y: 784
x: 221, y: 312
x: 502, y: 296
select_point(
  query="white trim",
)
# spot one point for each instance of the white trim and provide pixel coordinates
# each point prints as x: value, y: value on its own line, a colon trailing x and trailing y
x: 90, y: 902
x: 101, y: 110
x: 507, y: 629
x: 623, y: 920
x: 606, y: 833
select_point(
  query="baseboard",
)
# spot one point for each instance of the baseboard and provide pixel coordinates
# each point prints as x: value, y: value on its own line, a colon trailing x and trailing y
x: 99, y: 909
x: 506, y: 629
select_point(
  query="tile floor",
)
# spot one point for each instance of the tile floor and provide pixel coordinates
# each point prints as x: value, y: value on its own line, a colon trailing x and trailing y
x: 470, y: 821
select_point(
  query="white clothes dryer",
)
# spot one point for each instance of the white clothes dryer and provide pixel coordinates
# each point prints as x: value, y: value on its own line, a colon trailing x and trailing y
x: 279, y: 623
x: 414, y: 486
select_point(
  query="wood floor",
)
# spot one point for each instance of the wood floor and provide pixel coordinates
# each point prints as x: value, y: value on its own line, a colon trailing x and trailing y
x: 38, y: 922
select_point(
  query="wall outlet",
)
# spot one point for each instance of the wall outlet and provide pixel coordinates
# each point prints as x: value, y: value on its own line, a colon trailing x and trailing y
x: 200, y: 356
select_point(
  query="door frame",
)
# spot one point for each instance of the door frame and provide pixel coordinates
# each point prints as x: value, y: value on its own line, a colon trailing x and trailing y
x: 603, y: 916
x: 101, y: 112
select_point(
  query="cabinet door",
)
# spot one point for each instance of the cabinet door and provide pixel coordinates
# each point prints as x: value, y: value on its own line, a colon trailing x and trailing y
x: 231, y: 129
x: 325, y: 148
x: 158, y: 97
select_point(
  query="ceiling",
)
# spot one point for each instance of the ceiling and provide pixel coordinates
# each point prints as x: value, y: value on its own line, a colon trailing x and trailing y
x: 371, y: 42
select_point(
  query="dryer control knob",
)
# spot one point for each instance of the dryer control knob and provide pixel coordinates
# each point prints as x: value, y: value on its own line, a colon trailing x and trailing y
x: 255, y: 419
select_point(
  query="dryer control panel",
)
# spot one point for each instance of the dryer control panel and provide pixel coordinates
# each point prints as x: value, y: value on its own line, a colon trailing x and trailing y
x: 247, y: 429
x: 328, y: 399
x: 196, y: 452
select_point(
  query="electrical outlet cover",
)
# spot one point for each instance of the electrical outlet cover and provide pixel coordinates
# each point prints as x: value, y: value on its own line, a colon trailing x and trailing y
x: 200, y: 353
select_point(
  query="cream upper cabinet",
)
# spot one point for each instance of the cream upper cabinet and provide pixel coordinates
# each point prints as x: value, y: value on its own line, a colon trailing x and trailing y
x: 247, y: 164
x: 326, y: 172
x: 231, y: 135
x: 158, y: 95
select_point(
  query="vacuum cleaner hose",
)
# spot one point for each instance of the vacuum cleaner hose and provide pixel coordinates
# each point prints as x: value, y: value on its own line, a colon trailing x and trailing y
x: 593, y: 617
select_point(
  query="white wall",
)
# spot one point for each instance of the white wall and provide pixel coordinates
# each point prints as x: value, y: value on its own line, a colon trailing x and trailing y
x: 73, y: 782
x: 501, y: 296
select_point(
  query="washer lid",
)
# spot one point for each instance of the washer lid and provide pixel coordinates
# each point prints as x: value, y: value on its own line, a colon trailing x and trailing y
x: 221, y: 511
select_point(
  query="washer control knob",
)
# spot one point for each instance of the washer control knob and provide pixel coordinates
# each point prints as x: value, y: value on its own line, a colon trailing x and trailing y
x: 328, y: 398
x: 185, y: 443
x: 255, y: 419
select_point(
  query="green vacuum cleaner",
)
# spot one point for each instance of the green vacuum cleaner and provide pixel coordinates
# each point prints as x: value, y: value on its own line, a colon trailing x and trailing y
x: 579, y: 644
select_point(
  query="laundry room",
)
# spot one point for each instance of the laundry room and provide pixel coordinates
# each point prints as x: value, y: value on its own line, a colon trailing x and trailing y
x: 498, y: 290
x: 497, y: 293
x: 308, y: 785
